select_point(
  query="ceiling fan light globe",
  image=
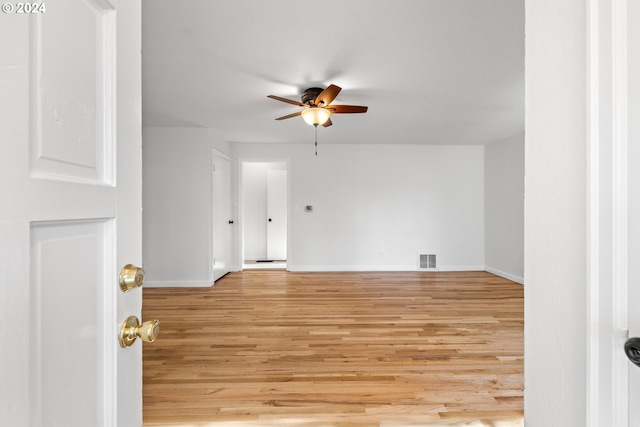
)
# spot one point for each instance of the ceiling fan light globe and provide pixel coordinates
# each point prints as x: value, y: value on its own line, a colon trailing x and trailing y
x: 315, y: 115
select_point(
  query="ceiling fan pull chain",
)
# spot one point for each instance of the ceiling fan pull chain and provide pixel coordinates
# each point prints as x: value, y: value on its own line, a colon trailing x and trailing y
x: 316, y: 126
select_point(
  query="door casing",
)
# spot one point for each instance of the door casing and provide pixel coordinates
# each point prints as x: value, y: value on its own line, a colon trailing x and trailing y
x: 609, y: 42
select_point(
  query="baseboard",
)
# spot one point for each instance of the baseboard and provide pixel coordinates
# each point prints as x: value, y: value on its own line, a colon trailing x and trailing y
x: 177, y: 284
x: 505, y: 275
x: 338, y: 268
x: 461, y: 268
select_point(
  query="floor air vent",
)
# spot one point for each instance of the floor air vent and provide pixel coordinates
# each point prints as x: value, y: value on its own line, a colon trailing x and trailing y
x: 427, y: 262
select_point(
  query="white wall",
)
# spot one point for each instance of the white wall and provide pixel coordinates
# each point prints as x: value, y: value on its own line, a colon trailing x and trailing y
x: 504, y: 207
x: 176, y: 230
x: 555, y: 214
x: 376, y: 206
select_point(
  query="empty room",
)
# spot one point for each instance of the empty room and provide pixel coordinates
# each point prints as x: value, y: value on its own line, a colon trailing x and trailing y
x: 394, y: 294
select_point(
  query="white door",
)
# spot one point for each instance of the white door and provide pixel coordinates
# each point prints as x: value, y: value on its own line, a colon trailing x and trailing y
x: 222, y: 221
x: 277, y: 214
x: 70, y: 213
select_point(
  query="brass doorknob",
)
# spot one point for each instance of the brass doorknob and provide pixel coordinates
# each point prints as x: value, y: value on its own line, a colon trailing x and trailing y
x: 131, y: 277
x: 132, y: 329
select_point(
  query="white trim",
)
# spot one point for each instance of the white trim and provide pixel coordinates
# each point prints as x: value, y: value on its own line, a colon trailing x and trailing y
x: 461, y: 268
x: 238, y: 232
x: 219, y: 153
x: 350, y: 268
x: 620, y: 208
x: 210, y: 224
x: 607, y: 223
x: 390, y: 268
x: 178, y: 284
x: 505, y: 275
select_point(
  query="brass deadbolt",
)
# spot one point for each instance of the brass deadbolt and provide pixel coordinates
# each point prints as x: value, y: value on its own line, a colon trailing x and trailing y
x: 132, y: 329
x: 131, y: 277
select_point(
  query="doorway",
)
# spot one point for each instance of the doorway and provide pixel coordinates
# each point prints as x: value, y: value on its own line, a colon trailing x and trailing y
x: 221, y: 215
x: 264, y: 195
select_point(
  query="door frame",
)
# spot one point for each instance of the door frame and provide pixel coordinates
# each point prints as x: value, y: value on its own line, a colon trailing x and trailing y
x: 607, y: 216
x: 241, y: 232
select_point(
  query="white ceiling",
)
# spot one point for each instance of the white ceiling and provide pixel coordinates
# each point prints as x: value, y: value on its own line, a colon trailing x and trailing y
x: 430, y: 71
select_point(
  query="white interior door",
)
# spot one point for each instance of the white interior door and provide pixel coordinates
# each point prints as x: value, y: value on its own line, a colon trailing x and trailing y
x: 221, y: 209
x: 277, y: 214
x: 70, y: 214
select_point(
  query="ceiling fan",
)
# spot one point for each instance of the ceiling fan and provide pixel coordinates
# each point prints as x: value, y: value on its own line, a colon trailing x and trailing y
x: 317, y: 106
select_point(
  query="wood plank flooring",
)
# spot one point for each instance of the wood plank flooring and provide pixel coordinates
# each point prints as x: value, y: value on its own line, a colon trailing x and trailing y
x: 274, y: 348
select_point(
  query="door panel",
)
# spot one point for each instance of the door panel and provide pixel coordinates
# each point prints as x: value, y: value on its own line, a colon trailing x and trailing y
x: 67, y: 258
x: 73, y: 103
x: 277, y: 214
x: 71, y: 214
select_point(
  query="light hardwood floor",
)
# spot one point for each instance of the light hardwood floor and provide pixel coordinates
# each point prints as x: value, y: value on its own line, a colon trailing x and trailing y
x: 273, y: 348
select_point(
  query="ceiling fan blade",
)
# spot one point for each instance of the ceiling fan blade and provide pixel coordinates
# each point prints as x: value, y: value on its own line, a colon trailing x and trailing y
x: 347, y: 109
x: 288, y: 116
x: 328, y: 95
x: 327, y: 123
x: 288, y: 101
